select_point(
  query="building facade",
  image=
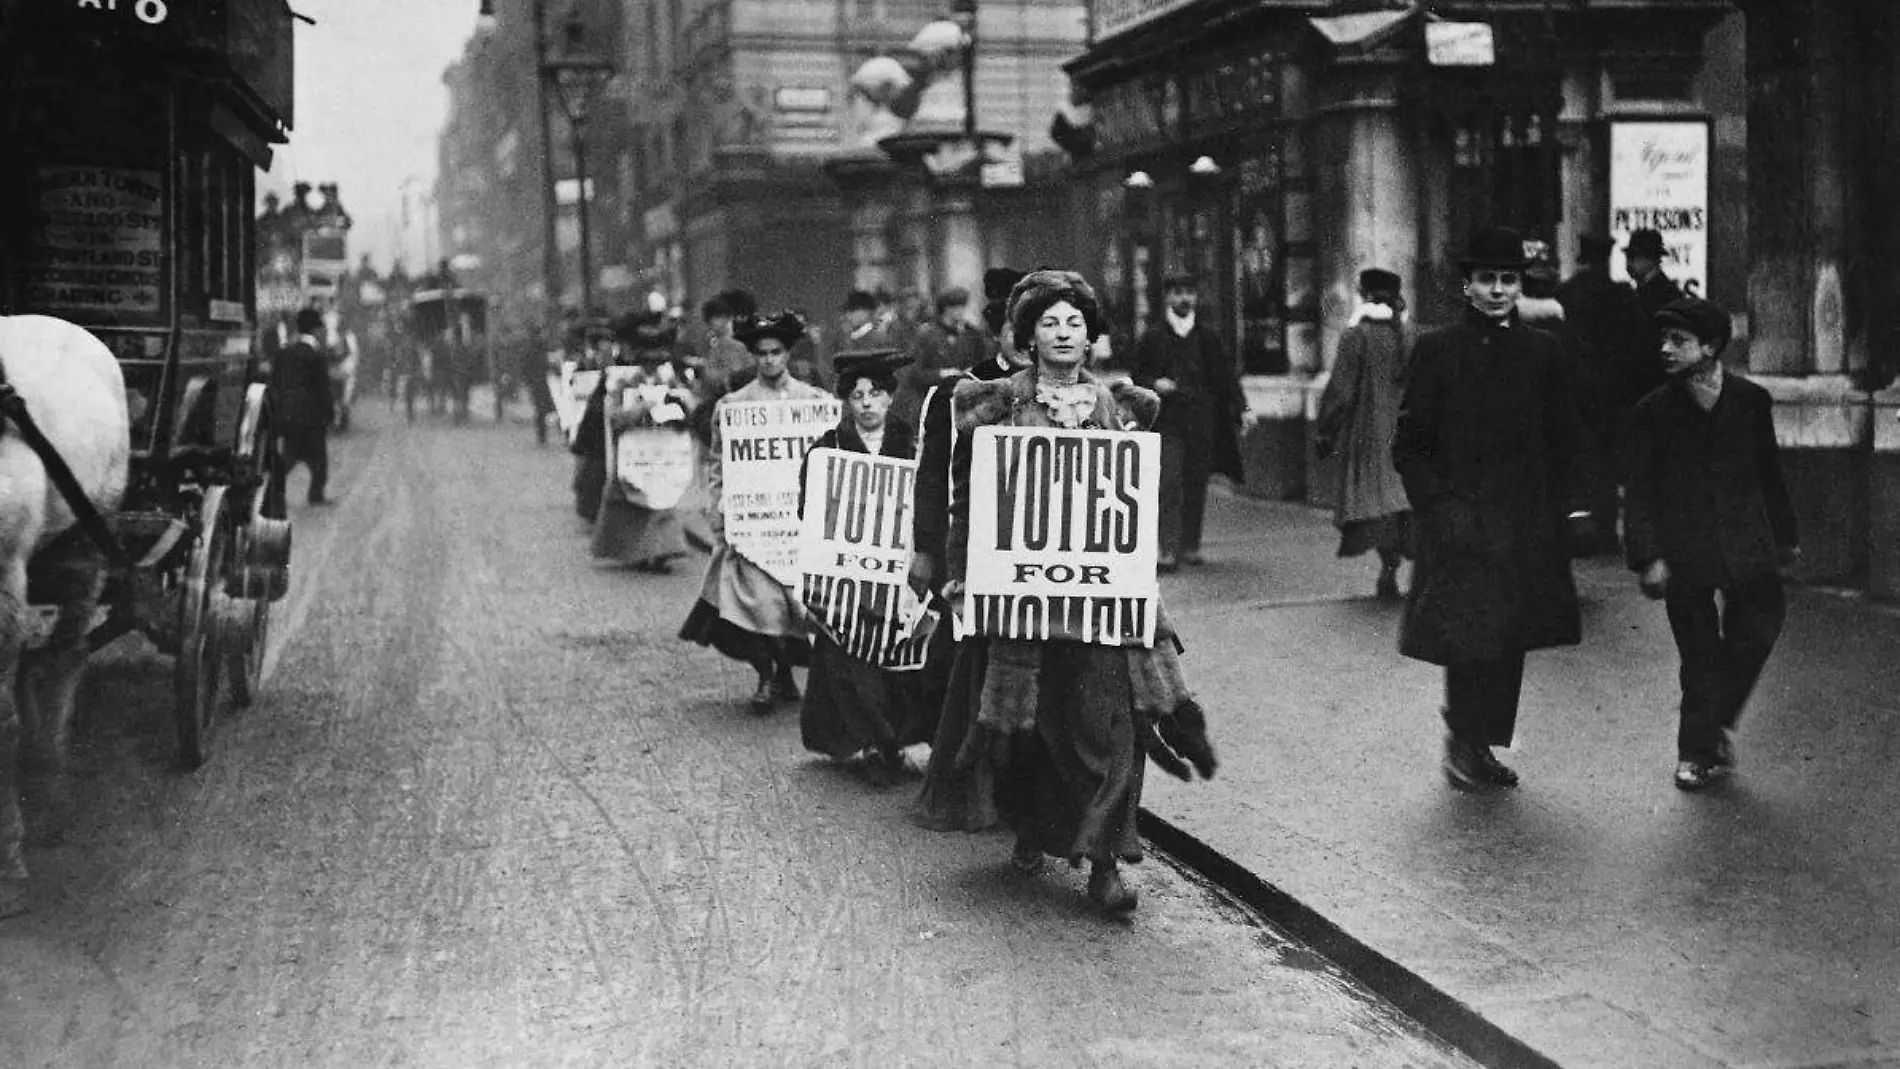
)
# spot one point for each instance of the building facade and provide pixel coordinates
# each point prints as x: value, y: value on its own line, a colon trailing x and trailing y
x: 1276, y: 147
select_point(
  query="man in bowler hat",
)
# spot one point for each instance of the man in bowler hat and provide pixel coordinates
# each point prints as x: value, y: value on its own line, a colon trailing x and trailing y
x: 1709, y: 515
x: 1181, y: 359
x: 300, y: 393
x: 1492, y: 457
x: 1644, y: 255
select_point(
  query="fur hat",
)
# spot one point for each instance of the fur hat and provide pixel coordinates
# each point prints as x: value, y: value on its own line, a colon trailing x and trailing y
x: 1378, y: 280
x: 1038, y: 291
x: 787, y: 326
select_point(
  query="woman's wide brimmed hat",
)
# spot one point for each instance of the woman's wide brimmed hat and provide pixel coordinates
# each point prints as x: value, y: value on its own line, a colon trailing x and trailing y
x: 1495, y: 246
x: 787, y: 326
x: 873, y: 362
x: 642, y: 331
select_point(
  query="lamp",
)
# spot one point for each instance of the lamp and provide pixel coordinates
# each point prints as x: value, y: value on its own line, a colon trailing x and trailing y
x: 578, y: 75
x: 485, y: 17
x: 1204, y: 167
x: 1139, y: 180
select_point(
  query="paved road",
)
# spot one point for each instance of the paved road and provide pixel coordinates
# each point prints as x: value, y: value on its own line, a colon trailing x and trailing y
x: 1596, y: 913
x: 490, y: 812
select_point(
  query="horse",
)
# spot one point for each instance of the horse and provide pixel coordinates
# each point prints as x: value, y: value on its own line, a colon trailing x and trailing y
x: 73, y: 389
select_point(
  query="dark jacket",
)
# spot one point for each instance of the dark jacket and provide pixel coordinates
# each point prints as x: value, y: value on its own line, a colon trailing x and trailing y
x: 1605, y: 320
x: 931, y: 517
x: 1205, y: 406
x: 300, y: 387
x: 1491, y: 453
x: 1706, y: 492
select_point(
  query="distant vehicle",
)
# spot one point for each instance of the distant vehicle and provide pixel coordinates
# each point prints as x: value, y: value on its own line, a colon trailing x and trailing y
x: 450, y: 326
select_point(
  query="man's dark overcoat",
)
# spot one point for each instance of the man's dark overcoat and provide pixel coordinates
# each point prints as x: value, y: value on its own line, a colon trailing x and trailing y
x: 1490, y: 451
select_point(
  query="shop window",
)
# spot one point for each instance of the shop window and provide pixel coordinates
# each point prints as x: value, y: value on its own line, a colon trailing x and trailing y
x: 1507, y: 170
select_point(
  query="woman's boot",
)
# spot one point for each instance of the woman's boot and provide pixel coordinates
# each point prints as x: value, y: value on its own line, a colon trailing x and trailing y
x: 1107, y: 890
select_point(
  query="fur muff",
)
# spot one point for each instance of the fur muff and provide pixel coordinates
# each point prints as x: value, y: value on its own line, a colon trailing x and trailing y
x: 1140, y: 406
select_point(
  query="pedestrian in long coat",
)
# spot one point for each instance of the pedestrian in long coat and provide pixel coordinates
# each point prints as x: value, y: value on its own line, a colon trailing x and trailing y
x: 1492, y: 456
x: 852, y: 707
x: 742, y: 611
x: 1358, y: 414
x: 1053, y: 732
x: 305, y: 407
x: 1182, y: 359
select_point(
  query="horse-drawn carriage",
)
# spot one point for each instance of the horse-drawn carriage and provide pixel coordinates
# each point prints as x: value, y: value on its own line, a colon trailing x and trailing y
x: 140, y: 489
x: 451, y: 325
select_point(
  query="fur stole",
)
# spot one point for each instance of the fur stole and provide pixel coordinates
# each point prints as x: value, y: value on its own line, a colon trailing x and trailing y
x: 1121, y: 405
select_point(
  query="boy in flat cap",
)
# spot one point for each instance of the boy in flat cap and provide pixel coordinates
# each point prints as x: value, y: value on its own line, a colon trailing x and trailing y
x: 1708, y: 513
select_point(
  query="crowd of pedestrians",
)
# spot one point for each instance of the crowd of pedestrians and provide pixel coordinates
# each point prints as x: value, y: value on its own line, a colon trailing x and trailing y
x: 1551, y: 421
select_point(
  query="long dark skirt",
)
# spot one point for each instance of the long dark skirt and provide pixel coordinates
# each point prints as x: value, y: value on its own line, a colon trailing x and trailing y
x: 852, y: 706
x: 1072, y: 786
x: 1391, y: 533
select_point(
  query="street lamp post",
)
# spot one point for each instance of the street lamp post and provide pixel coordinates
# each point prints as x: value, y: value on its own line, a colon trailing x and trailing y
x: 578, y: 76
x: 963, y: 13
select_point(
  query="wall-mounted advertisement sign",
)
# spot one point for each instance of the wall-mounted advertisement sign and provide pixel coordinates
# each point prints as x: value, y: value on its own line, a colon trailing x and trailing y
x: 1118, y: 16
x: 1659, y: 180
x: 98, y: 244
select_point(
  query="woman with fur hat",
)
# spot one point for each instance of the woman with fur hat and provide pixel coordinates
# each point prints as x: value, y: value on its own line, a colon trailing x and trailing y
x: 1047, y: 737
x: 853, y: 707
x: 742, y: 611
x: 643, y: 392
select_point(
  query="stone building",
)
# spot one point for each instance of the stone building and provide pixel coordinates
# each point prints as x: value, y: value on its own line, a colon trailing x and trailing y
x: 1276, y: 147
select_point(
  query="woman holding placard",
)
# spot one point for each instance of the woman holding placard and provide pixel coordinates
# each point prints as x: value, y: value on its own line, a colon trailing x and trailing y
x: 743, y: 611
x: 852, y: 706
x: 1047, y: 735
x: 644, y: 406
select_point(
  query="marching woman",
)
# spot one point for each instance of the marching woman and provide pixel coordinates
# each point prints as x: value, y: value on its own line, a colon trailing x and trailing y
x: 742, y: 611
x: 853, y: 707
x: 1051, y: 733
x: 644, y: 403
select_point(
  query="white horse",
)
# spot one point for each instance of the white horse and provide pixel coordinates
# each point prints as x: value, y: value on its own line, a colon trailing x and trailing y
x: 74, y: 391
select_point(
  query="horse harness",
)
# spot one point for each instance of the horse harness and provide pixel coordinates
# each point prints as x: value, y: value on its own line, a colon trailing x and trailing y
x: 13, y: 409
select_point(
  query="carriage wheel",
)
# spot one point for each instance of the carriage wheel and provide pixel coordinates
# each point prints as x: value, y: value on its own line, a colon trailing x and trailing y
x: 195, y: 674
x: 245, y: 618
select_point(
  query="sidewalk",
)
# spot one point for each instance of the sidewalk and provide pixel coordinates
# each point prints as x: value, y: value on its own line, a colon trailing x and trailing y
x: 1597, y: 913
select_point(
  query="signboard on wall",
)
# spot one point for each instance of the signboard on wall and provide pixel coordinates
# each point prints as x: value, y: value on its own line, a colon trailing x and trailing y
x: 98, y: 243
x: 1659, y: 180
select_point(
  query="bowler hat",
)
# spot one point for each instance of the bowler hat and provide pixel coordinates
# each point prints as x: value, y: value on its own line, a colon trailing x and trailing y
x: 1646, y: 243
x: 1495, y: 246
x: 1184, y: 280
x: 952, y: 297
x: 1708, y: 322
x: 787, y: 326
x: 859, y: 301
x: 1594, y: 248
x: 998, y: 281
x: 309, y: 321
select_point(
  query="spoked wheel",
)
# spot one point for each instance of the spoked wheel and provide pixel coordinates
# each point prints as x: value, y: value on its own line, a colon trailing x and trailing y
x: 243, y: 603
x: 197, y: 671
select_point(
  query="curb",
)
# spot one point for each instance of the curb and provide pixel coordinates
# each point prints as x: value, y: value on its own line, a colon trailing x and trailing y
x: 1451, y: 1020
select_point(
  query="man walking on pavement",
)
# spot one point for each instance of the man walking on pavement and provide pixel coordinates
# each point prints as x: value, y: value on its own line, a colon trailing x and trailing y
x: 1606, y: 324
x: 1644, y: 256
x: 1491, y: 453
x: 1709, y: 514
x: 1180, y: 358
x: 303, y: 405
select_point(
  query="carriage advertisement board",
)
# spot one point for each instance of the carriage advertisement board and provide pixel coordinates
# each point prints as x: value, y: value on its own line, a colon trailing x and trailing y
x: 98, y: 244
x: 854, y: 552
x: 762, y: 446
x: 1064, y: 536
